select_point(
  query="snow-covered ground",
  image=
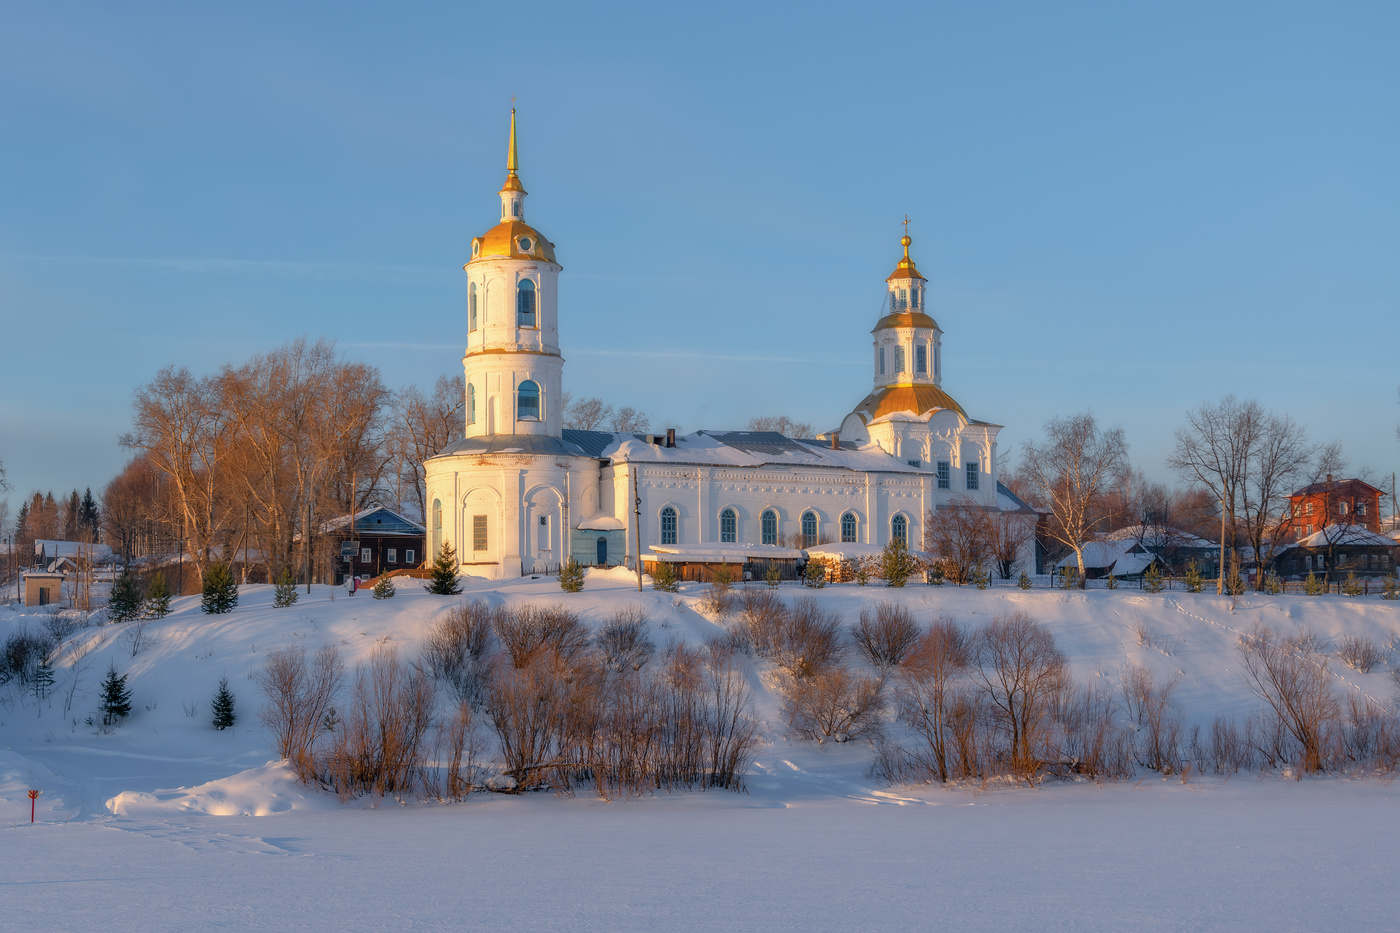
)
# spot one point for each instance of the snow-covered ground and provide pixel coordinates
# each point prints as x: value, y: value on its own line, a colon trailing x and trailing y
x: 166, y: 824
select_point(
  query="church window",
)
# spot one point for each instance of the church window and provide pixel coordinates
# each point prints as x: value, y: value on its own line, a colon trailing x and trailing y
x: 525, y: 304
x: 478, y: 532
x: 921, y: 360
x: 903, y: 299
x: 437, y: 526
x: 471, y: 404
x: 770, y: 527
x: 972, y: 476
x: 899, y: 530
x: 668, y: 525
x: 528, y: 406
x: 944, y: 475
x: 728, y: 527
x: 515, y: 208
x: 848, y: 528
x: 542, y: 534
x: 525, y: 244
x: 809, y: 529
x: 881, y: 354
x: 471, y: 306
x: 899, y: 359
x: 914, y: 297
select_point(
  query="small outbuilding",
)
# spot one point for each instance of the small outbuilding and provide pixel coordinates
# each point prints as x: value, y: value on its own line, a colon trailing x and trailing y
x: 43, y: 588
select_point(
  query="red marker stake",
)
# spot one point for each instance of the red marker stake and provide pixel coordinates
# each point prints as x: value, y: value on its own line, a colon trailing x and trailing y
x: 33, y: 795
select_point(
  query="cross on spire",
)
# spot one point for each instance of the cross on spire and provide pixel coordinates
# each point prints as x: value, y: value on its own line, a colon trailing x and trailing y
x: 906, y: 224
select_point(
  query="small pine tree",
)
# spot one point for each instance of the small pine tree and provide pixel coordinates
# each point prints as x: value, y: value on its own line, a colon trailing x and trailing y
x: 1111, y: 582
x: 1313, y: 586
x: 723, y: 579
x: 1025, y: 581
x: 1069, y: 577
x: 125, y: 602
x: 384, y: 588
x: 1391, y: 591
x: 1351, y: 586
x: 936, y: 575
x: 220, y: 592
x: 896, y: 564
x: 1195, y: 582
x: 815, y: 575
x: 1272, y: 585
x: 980, y: 578
x: 1152, y: 580
x: 284, y: 592
x: 663, y: 577
x: 571, y: 576
x: 860, y: 571
x: 43, y: 680
x: 116, y: 698
x: 773, y: 577
x: 443, y: 582
x: 222, y: 706
x: 157, y: 602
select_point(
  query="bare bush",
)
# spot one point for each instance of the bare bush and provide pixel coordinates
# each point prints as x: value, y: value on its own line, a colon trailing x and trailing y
x: 529, y: 630
x: 380, y: 746
x: 885, y: 634
x: 299, y: 697
x: 762, y: 614
x: 528, y: 704
x: 1089, y: 743
x: 23, y: 653
x: 624, y: 642
x: 1361, y: 654
x: 1018, y: 666
x: 1231, y: 748
x: 1297, y: 688
x: 810, y: 639
x: 1371, y: 735
x: 836, y: 704
x: 718, y: 597
x: 926, y: 692
x: 459, y: 748
x: 134, y: 634
x: 1158, y: 725
x: 458, y: 650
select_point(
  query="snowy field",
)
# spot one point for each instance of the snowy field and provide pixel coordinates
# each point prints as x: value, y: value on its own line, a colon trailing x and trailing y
x: 166, y: 824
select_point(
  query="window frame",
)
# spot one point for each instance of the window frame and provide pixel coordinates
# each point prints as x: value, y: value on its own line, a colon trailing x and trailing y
x: 471, y: 403
x: 945, y: 474
x: 810, y: 528
x: 538, y: 398
x: 972, y: 476
x: 729, y: 516
x: 671, y: 517
x: 527, y: 293
x: 899, y: 529
x: 854, y: 533
x: 471, y: 307
x: 765, y: 536
x: 481, y: 540
x: 921, y: 360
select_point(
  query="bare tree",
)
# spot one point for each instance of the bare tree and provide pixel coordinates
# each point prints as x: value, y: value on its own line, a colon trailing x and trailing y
x: 299, y: 697
x: 1018, y: 666
x: 885, y: 634
x: 1070, y: 474
x: 783, y: 425
x: 628, y: 420
x: 1277, y: 460
x: 926, y: 687
x: 1008, y: 533
x: 1295, y: 684
x: 960, y: 534
x: 587, y: 414
x: 424, y: 425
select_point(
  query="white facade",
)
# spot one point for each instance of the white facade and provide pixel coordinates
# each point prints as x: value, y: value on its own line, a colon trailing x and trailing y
x: 520, y: 494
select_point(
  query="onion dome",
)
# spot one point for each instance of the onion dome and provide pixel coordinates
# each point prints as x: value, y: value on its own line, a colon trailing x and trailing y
x: 909, y: 399
x: 906, y: 268
x: 512, y: 238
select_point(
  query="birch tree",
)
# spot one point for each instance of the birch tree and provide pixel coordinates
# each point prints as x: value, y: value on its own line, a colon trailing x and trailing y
x: 1071, y: 473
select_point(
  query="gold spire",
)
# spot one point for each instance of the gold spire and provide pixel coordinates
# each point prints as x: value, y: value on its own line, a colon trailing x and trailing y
x: 906, y: 268
x: 512, y: 161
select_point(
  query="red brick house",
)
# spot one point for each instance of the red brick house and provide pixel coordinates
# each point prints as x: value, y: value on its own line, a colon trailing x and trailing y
x: 1343, y: 502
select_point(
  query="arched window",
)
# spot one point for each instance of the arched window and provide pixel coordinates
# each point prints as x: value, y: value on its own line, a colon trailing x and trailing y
x: 921, y: 360
x: 848, y: 528
x: 914, y: 297
x: 728, y: 527
x: 525, y: 304
x: 527, y: 406
x: 471, y: 404
x: 471, y: 306
x: 881, y: 354
x: 809, y: 528
x: 770, y: 526
x: 899, y: 359
x: 899, y: 530
x: 668, y: 525
x: 515, y: 208
x: 437, y: 527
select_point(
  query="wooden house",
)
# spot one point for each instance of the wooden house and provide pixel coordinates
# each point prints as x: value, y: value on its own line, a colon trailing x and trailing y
x: 375, y: 541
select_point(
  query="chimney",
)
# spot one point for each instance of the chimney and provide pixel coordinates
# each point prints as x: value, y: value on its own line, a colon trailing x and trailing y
x: 836, y: 440
x: 670, y: 437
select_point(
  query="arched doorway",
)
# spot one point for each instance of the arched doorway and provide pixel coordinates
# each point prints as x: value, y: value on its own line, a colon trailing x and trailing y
x: 602, y: 560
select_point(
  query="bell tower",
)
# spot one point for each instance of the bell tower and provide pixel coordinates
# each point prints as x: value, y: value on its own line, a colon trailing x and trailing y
x: 512, y: 365
x: 908, y: 350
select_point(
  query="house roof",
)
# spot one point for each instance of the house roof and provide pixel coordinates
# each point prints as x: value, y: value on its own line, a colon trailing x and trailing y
x: 377, y: 520
x: 1317, y: 489
x: 1158, y: 536
x: 1349, y: 535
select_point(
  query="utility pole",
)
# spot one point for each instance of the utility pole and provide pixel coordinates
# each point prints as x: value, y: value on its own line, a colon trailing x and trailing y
x: 1220, y: 583
x: 306, y: 547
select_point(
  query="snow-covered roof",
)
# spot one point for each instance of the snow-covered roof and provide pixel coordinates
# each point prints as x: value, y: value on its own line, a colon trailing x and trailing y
x: 1130, y: 565
x: 752, y: 449
x: 1157, y: 536
x: 50, y: 548
x: 851, y: 550
x: 722, y: 553
x: 1353, y: 535
x: 377, y: 519
x: 1101, y: 554
x: 602, y: 522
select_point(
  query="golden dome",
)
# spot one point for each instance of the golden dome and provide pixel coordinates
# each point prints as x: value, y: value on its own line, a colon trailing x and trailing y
x: 906, y: 319
x: 504, y: 241
x: 914, y: 399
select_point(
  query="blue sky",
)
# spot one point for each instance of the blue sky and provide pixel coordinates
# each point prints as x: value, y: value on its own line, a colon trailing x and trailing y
x: 1126, y: 207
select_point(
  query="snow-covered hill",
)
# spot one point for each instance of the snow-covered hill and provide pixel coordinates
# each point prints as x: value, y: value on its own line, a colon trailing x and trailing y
x: 853, y: 853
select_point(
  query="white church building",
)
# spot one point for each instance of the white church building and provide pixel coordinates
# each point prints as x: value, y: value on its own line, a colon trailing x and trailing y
x: 520, y: 493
